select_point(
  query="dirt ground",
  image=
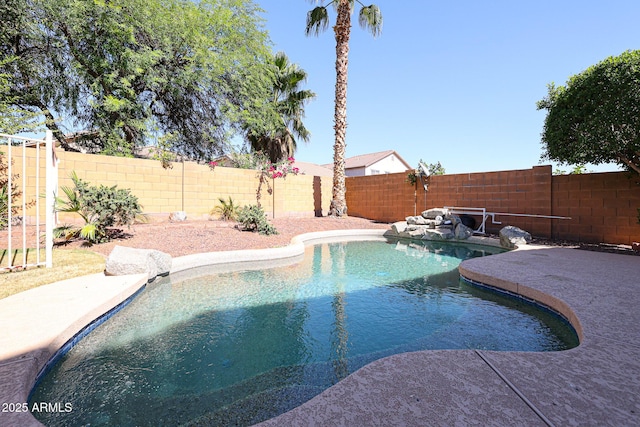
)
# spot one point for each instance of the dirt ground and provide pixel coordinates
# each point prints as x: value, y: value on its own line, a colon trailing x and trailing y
x: 189, y: 237
x: 195, y: 236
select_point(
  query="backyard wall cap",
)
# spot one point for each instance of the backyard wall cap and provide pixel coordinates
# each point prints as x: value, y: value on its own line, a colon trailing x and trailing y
x: 124, y: 261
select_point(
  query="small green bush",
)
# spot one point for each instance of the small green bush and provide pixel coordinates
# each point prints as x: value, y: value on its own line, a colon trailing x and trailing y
x: 226, y: 210
x: 253, y: 218
x: 100, y: 207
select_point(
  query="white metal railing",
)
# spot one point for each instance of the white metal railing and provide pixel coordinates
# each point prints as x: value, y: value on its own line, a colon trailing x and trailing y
x: 457, y: 210
x: 51, y: 188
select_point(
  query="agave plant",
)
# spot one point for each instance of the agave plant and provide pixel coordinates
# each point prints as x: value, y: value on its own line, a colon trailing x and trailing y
x: 226, y: 210
x: 74, y: 204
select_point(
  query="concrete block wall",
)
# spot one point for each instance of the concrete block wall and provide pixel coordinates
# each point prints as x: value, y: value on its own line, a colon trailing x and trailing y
x: 525, y: 191
x: 602, y: 206
x: 188, y: 186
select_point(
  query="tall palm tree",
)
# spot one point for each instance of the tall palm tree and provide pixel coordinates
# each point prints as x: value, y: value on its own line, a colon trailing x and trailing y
x: 370, y: 18
x: 288, y: 101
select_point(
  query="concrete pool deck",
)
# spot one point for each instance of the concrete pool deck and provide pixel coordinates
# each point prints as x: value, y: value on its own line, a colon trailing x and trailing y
x: 596, y: 383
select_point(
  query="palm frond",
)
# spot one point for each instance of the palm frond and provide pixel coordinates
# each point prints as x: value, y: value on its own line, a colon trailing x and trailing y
x: 317, y: 21
x: 88, y: 232
x: 370, y: 18
x: 66, y: 232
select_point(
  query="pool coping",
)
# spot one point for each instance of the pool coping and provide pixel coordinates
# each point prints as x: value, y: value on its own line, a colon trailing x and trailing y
x: 584, y: 385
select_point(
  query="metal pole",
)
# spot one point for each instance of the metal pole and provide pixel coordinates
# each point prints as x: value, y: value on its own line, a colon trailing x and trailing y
x: 50, y: 196
x: 38, y: 202
x: 24, y: 203
x: 9, y: 191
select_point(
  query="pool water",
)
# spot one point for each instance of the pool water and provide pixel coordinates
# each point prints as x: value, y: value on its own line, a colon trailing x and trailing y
x: 241, y: 347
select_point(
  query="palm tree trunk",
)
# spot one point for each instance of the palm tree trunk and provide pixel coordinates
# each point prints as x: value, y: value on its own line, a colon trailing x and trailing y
x: 342, y: 31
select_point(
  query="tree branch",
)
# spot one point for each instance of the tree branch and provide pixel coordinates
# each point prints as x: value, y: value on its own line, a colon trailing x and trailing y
x: 81, y: 59
x: 629, y: 163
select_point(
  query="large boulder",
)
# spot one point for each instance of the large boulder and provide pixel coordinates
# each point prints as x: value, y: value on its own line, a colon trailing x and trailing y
x: 399, y: 227
x: 416, y: 220
x: 435, y: 213
x: 463, y: 232
x: 178, y: 216
x: 438, y: 234
x: 123, y: 260
x: 511, y: 236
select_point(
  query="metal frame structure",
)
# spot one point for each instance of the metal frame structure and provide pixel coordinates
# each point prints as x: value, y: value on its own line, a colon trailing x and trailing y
x: 457, y: 210
x: 51, y: 188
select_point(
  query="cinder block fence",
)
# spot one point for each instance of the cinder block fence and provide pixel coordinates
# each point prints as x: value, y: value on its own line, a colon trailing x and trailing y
x: 187, y: 186
x: 602, y: 206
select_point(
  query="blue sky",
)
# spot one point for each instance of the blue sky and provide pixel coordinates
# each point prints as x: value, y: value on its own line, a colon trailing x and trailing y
x: 455, y: 82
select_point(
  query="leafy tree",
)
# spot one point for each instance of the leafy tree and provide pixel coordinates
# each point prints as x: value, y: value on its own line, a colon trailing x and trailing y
x: 279, y: 141
x: 38, y: 73
x: 435, y: 168
x: 188, y: 73
x: 595, y: 118
x: 577, y: 170
x: 13, y: 120
x: 318, y: 20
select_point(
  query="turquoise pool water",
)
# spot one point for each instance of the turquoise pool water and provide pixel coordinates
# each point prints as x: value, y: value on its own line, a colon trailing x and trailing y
x: 237, y: 348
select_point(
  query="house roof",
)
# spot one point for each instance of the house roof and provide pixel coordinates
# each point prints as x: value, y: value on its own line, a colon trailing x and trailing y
x: 313, y: 169
x: 366, y: 160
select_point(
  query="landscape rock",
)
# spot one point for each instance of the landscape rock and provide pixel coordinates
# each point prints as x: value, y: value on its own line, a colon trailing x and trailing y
x: 463, y: 232
x: 415, y: 234
x: 178, y: 216
x: 416, y: 220
x: 434, y: 213
x: 399, y: 227
x: 123, y: 260
x: 420, y: 220
x: 511, y: 236
x: 438, y: 234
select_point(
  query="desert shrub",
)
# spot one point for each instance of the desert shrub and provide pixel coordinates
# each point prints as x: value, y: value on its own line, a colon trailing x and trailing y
x: 253, y: 218
x: 226, y: 210
x: 100, y: 207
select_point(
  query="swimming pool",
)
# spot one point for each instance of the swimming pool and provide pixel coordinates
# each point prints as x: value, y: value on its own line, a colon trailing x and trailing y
x: 240, y: 347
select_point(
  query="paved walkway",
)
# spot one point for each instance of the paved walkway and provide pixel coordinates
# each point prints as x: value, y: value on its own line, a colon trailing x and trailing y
x: 597, y: 383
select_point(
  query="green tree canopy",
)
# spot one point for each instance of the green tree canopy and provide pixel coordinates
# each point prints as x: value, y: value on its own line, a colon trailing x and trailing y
x: 595, y: 117
x: 13, y: 119
x: 277, y: 138
x: 186, y: 73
